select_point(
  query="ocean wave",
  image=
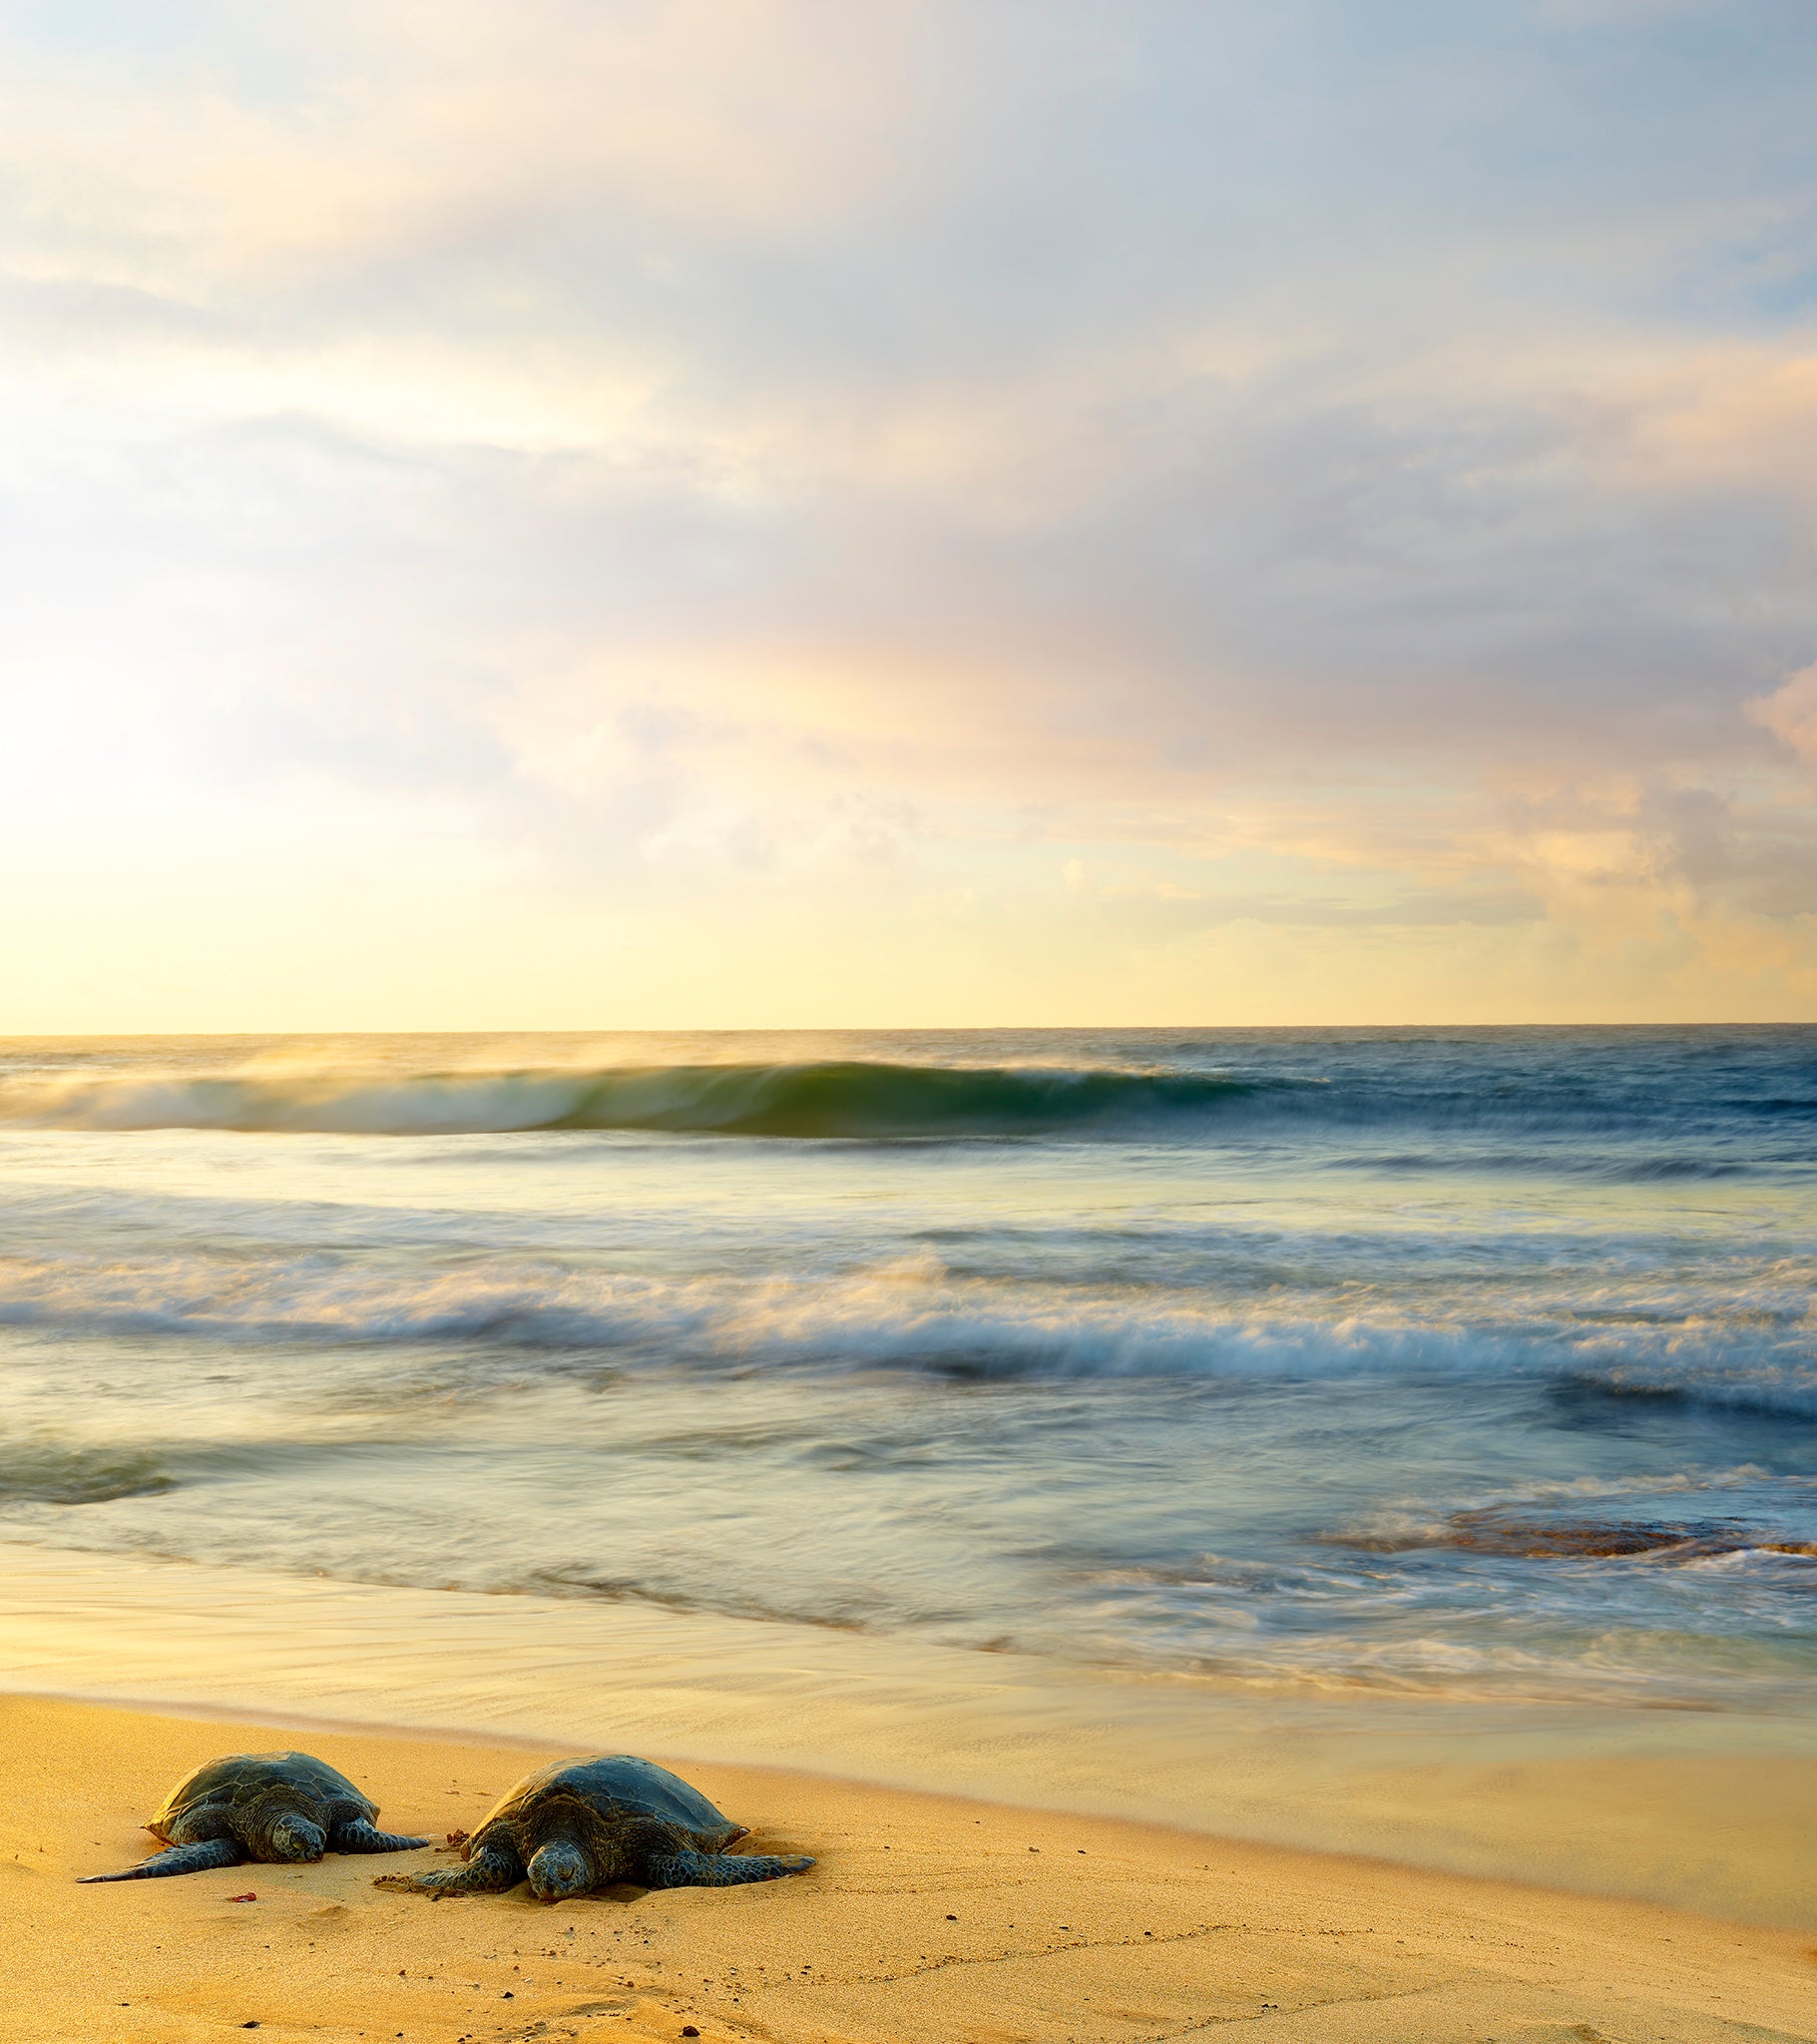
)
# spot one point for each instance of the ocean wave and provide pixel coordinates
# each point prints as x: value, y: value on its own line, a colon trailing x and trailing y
x: 1446, y: 1112
x: 1640, y: 1168
x: 911, y: 1314
x: 1778, y: 1380
x: 853, y: 1099
x: 36, y: 1471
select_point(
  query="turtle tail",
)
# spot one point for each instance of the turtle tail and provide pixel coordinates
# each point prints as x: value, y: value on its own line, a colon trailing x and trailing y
x: 718, y: 1870
x: 195, y: 1858
x: 359, y: 1836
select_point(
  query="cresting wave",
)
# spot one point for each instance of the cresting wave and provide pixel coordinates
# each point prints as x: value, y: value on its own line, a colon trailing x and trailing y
x: 909, y: 1316
x: 1561, y: 1107
x: 846, y: 1099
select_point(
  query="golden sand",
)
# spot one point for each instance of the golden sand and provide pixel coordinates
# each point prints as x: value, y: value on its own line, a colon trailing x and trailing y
x: 1705, y: 1810
x: 927, y: 1919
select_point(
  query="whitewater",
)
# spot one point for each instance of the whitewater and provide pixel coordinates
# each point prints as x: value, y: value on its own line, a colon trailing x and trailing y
x: 1469, y: 1365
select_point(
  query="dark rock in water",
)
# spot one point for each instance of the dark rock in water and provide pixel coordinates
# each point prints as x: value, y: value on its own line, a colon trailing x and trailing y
x: 1587, y: 1539
x: 1533, y: 1539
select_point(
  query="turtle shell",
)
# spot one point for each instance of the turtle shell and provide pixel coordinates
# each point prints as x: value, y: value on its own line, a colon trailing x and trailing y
x: 238, y: 1779
x: 619, y: 1785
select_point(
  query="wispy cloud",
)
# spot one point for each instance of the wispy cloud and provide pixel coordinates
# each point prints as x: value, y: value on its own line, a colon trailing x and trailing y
x: 738, y: 476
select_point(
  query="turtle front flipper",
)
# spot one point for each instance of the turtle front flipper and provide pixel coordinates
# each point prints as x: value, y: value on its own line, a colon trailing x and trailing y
x: 197, y: 1859
x: 717, y: 1869
x: 357, y: 1835
x: 489, y: 1872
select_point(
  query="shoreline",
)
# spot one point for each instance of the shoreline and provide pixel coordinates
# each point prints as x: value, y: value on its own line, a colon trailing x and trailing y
x: 1703, y: 1811
x: 926, y: 1919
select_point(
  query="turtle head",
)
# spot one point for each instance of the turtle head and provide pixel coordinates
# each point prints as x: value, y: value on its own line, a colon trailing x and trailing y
x: 558, y: 1870
x: 292, y: 1836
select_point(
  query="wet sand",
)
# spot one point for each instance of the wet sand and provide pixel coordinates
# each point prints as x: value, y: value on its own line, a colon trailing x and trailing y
x: 928, y: 1919
x: 1711, y: 1812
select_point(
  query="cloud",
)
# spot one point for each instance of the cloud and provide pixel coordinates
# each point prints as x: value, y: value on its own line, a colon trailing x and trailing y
x: 718, y: 456
x: 1790, y: 713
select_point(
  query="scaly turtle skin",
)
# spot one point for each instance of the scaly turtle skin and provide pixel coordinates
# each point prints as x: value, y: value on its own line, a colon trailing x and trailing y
x: 582, y: 1824
x: 260, y: 1805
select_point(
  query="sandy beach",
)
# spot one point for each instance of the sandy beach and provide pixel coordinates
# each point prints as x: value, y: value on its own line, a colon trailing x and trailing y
x: 1705, y: 1810
x: 915, y: 904
x: 926, y: 1919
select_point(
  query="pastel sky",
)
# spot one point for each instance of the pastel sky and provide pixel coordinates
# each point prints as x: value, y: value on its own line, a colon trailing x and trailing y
x: 590, y: 513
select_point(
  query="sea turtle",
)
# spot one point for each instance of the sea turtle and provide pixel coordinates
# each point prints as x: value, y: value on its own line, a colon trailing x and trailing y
x: 260, y: 1805
x: 576, y: 1825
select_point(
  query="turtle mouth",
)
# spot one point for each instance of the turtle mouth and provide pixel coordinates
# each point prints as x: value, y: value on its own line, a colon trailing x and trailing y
x: 558, y: 1872
x: 296, y: 1838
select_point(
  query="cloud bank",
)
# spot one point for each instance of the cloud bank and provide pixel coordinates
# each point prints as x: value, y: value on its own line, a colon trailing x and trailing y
x: 769, y: 512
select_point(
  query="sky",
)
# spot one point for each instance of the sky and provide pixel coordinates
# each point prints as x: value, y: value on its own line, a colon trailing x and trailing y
x: 773, y: 513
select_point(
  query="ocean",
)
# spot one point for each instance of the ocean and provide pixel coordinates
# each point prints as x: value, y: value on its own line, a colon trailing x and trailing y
x: 1474, y: 1366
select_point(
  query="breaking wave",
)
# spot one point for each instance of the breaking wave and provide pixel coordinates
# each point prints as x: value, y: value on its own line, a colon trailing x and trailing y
x: 1657, y: 1114
x: 57, y: 1473
x: 911, y: 1315
x: 850, y: 1099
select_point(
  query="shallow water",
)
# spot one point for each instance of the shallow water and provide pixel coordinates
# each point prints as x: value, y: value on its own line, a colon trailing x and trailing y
x: 1474, y: 1364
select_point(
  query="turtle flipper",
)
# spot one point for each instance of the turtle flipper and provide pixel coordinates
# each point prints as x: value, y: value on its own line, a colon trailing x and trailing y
x: 359, y: 1836
x: 717, y: 1869
x: 487, y: 1873
x: 197, y: 1859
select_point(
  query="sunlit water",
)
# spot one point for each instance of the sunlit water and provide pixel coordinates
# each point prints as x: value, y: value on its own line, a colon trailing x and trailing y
x: 1476, y: 1362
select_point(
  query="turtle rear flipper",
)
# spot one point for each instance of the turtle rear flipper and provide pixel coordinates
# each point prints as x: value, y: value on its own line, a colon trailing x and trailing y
x: 717, y: 1869
x: 359, y: 1836
x: 197, y: 1859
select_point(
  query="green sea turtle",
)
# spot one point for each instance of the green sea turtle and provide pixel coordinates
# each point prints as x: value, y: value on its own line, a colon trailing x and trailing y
x: 577, y: 1825
x: 260, y: 1805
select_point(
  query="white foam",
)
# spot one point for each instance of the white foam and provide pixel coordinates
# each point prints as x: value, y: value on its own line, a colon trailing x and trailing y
x: 909, y: 1315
